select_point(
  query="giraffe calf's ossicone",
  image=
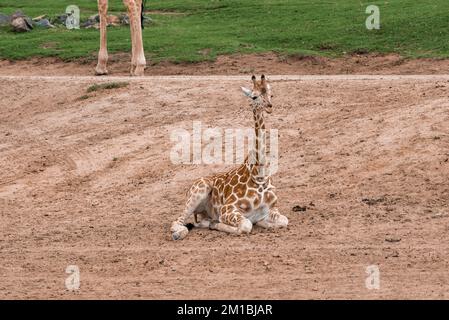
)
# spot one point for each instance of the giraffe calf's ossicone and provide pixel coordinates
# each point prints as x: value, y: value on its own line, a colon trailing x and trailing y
x: 233, y: 201
x: 138, y: 61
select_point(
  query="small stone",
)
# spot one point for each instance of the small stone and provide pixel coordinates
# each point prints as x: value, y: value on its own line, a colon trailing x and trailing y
x: 299, y: 208
x: 373, y: 201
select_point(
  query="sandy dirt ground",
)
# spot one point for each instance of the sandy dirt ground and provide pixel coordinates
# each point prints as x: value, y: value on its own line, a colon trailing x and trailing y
x: 269, y: 63
x: 86, y: 180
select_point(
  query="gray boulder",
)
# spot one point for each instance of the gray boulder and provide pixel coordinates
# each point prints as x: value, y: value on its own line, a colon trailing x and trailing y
x: 44, y: 23
x: 20, y: 22
x: 4, y: 20
x: 92, y: 21
x: 124, y: 19
x: 147, y: 20
x: 95, y: 18
x: 60, y: 19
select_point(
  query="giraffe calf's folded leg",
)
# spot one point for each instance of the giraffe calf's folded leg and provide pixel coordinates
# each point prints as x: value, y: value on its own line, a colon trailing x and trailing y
x: 274, y: 220
x: 197, y: 195
x: 219, y: 226
x: 232, y: 221
x: 201, y: 221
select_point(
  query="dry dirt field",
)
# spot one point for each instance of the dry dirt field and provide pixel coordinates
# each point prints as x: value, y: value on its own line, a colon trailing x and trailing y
x: 86, y: 180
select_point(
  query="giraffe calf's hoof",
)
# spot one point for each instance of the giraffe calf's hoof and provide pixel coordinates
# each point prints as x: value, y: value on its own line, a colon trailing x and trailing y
x: 246, y: 226
x: 282, y: 221
x: 180, y: 233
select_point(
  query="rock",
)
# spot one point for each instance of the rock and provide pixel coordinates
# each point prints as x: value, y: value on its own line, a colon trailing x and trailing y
x: 20, y: 22
x: 39, y: 17
x: 91, y: 22
x: 147, y: 20
x: 44, y: 23
x: 95, y: 18
x: 4, y: 19
x: 60, y: 19
x: 113, y: 20
x: 124, y: 19
x: 299, y: 208
x: 373, y: 201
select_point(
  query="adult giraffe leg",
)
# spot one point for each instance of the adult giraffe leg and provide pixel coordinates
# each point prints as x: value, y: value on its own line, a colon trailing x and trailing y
x: 129, y: 8
x: 101, y: 68
x: 139, y: 52
x: 138, y: 61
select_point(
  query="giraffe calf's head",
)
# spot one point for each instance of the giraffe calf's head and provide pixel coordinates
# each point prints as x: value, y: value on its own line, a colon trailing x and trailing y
x: 260, y: 94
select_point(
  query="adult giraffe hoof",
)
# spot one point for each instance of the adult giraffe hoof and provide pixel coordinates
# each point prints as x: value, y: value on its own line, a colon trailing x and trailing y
x: 138, y: 70
x: 101, y: 72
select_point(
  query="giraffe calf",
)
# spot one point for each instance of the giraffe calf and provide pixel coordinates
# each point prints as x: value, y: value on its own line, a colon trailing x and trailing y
x: 233, y: 201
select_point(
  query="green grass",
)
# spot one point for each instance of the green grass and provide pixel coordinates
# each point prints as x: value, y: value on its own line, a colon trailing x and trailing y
x: 107, y: 86
x: 212, y: 27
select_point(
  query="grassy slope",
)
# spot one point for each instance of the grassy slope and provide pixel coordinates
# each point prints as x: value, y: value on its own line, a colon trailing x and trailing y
x: 409, y: 27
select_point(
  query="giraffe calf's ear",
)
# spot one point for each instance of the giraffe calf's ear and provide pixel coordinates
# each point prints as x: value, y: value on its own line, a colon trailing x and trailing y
x: 246, y: 92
